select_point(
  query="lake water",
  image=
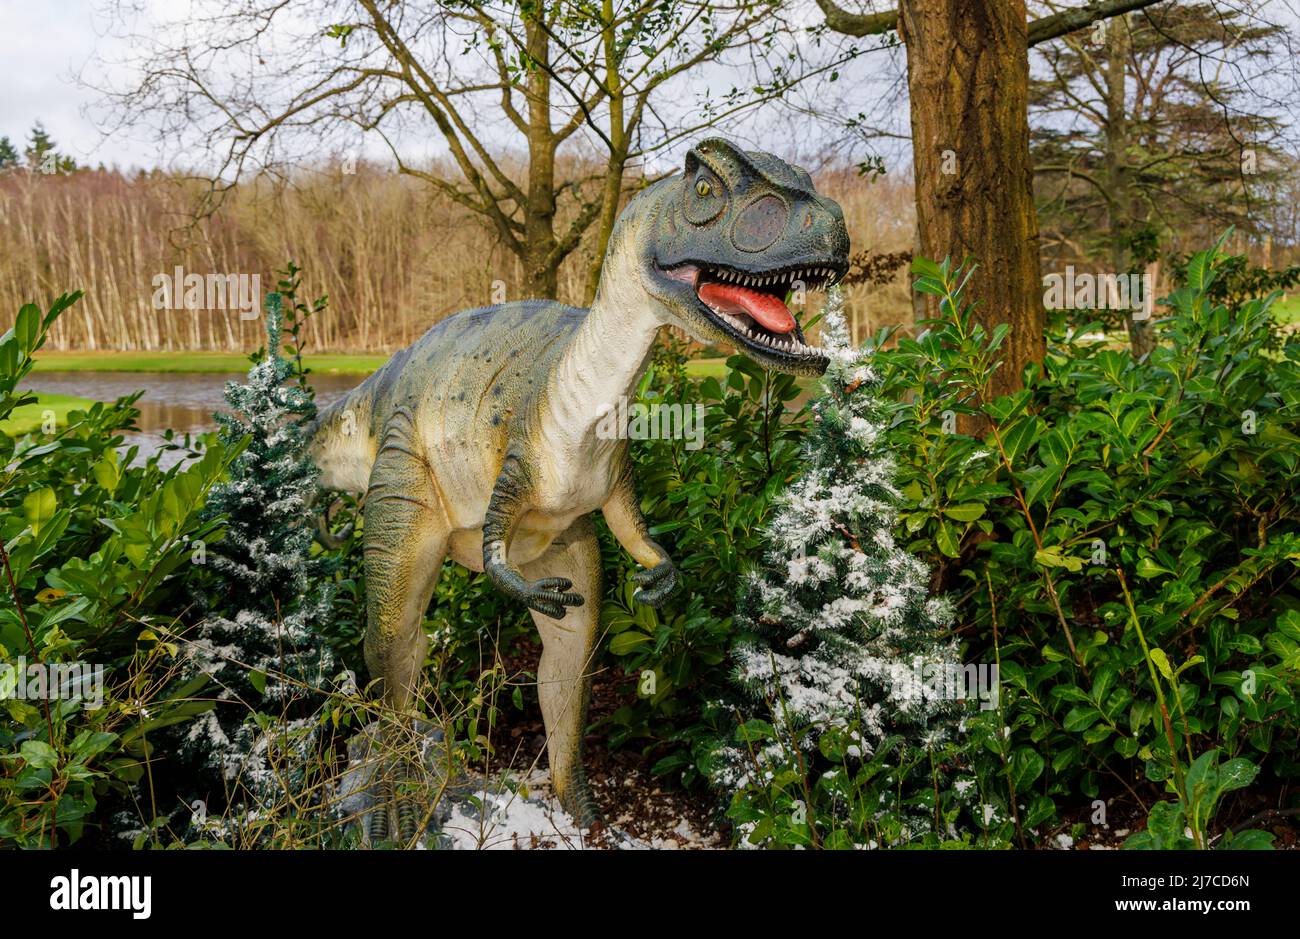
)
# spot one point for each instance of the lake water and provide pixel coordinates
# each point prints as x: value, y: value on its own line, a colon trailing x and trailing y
x: 182, y: 402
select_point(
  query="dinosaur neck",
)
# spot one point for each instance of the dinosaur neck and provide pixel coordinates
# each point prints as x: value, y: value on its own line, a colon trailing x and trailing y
x: 608, y: 353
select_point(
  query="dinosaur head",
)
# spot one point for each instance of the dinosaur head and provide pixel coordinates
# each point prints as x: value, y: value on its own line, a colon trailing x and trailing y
x: 732, y: 238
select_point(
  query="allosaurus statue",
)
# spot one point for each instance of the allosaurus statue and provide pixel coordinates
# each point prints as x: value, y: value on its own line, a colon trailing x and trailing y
x: 479, y: 441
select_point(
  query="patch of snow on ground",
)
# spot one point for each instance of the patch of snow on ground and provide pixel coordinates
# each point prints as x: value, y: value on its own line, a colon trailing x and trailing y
x: 532, y: 819
x: 509, y: 820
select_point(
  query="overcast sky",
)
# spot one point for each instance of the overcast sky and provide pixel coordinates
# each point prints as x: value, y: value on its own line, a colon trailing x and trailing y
x: 50, y: 49
x: 48, y: 46
x: 44, y: 46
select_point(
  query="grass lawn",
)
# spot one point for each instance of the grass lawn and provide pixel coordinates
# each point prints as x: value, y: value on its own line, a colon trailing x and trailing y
x: 28, y: 418
x: 1287, y: 310
x: 46, y: 361
x: 336, y: 364
x: 703, y: 368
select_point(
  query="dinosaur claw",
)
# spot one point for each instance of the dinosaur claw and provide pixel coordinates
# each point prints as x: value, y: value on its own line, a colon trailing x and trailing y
x: 657, y: 583
x: 408, y: 821
x: 377, y: 820
x: 550, y: 596
x: 581, y: 805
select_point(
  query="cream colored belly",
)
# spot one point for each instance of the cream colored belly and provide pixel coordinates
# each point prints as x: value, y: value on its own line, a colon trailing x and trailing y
x: 533, y: 535
x: 568, y: 489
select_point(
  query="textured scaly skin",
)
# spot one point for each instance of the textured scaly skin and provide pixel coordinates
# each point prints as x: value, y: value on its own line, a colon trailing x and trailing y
x: 479, y: 441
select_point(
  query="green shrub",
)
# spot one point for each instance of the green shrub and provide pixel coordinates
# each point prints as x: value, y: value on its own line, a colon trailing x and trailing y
x: 706, y: 506
x: 95, y: 551
x: 1175, y: 475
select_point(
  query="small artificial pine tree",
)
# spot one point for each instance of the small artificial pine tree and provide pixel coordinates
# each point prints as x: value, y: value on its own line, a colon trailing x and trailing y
x: 259, y: 644
x: 838, y: 628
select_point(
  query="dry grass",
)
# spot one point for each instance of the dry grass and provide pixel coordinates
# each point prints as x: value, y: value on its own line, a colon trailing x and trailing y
x: 393, y: 256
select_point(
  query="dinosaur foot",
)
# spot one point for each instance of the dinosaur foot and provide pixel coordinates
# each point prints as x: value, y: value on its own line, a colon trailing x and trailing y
x: 578, y: 801
x: 400, y: 811
x: 410, y: 818
x: 377, y: 822
x: 389, y: 789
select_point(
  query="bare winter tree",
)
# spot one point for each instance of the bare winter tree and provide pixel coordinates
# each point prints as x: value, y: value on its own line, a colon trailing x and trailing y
x: 506, y: 91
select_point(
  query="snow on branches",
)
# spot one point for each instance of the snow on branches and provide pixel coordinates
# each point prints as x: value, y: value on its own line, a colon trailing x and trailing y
x: 839, y: 630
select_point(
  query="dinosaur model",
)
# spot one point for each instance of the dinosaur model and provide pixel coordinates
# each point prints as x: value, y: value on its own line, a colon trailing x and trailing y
x: 478, y: 441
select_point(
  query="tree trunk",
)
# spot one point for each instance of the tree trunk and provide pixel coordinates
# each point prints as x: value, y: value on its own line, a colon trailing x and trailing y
x: 541, y: 265
x: 968, y: 79
x: 1121, y: 201
x: 612, y: 195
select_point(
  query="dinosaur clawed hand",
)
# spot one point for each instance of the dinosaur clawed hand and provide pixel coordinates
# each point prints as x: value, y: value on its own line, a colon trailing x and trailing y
x: 656, y: 584
x: 551, y: 596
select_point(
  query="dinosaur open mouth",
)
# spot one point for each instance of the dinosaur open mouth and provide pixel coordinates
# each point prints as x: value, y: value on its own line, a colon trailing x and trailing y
x: 751, y: 307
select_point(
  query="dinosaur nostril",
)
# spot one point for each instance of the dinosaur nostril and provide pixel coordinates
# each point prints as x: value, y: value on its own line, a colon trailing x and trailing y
x: 760, y: 224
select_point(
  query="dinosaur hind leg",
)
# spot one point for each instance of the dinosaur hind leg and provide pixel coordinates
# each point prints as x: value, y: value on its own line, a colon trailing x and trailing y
x: 405, y: 541
x: 568, y: 654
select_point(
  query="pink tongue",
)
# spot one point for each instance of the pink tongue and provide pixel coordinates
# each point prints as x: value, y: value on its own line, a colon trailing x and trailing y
x: 763, y: 307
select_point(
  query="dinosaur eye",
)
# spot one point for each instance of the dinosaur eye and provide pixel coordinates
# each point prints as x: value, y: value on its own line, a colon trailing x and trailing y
x: 706, y: 198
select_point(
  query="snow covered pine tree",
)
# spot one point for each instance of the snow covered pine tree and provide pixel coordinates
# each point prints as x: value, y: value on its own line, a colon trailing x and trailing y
x: 268, y: 594
x: 839, y: 641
